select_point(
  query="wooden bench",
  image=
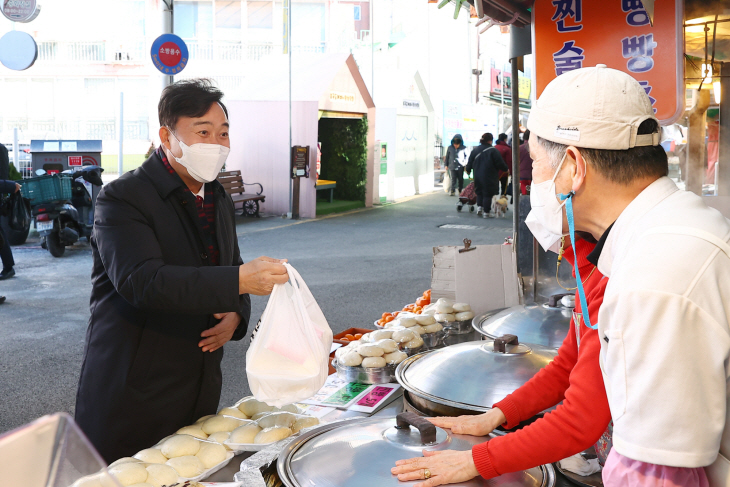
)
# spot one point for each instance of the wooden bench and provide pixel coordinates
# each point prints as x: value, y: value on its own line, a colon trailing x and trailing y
x: 324, y: 184
x: 233, y: 184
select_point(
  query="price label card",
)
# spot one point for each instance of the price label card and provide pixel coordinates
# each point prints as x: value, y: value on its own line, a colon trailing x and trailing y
x: 346, y: 395
x: 374, y: 398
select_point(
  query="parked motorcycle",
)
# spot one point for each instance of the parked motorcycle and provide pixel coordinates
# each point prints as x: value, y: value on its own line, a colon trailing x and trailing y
x: 62, y: 223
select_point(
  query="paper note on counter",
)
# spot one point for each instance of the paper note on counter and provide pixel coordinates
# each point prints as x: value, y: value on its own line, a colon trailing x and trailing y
x: 340, y: 394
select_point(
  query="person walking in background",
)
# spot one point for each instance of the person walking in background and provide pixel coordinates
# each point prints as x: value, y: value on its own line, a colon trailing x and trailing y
x: 6, y: 254
x: 506, y: 152
x: 455, y: 161
x: 487, y: 164
x: 525, y: 163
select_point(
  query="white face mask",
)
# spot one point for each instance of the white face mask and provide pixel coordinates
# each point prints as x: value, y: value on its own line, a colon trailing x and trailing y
x: 545, y: 219
x: 203, y: 161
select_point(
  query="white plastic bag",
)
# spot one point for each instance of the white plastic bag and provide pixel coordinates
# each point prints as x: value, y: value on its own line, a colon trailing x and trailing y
x: 288, y: 358
x: 447, y: 181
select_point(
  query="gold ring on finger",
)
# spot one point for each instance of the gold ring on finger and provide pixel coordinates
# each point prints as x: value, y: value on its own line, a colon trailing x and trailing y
x: 426, y: 473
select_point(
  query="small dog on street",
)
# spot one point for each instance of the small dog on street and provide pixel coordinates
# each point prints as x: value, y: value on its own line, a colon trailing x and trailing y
x: 499, y: 206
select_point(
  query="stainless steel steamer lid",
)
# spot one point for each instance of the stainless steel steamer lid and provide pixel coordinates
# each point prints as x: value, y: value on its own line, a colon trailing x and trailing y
x: 472, y: 375
x: 534, y: 323
x: 360, y: 453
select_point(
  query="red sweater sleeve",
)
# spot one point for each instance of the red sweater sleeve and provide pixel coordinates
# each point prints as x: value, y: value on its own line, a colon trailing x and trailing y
x: 548, y: 386
x: 576, y: 379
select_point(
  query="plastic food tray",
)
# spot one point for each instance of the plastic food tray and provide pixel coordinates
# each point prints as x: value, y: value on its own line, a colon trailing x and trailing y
x: 239, y: 448
x: 212, y: 470
x: 352, y: 331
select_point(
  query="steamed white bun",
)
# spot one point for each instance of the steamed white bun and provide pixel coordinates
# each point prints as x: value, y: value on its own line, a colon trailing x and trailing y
x: 211, y: 454
x: 180, y: 446
x: 151, y: 455
x: 160, y: 475
x: 129, y: 473
x: 188, y: 466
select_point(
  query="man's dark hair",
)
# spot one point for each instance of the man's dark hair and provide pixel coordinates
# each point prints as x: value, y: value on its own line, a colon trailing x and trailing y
x: 526, y: 136
x: 502, y: 137
x: 619, y: 166
x: 487, y: 138
x: 188, y: 98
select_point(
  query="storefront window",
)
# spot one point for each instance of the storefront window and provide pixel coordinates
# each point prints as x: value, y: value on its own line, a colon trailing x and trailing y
x: 193, y: 19
x: 228, y: 14
x: 260, y: 15
x: 309, y: 26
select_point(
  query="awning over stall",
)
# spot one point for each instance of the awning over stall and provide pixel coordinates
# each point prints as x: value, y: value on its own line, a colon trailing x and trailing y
x: 328, y: 86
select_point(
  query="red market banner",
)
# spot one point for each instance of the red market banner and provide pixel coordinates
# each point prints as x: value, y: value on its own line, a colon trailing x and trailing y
x: 572, y: 34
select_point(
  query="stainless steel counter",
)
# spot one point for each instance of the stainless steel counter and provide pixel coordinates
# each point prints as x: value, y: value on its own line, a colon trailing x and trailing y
x: 391, y: 409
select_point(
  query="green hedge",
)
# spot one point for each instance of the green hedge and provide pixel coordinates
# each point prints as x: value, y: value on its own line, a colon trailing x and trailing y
x: 345, y: 156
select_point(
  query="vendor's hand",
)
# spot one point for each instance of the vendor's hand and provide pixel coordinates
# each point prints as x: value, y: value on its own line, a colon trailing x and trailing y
x: 17, y: 187
x: 216, y: 337
x: 479, y: 425
x: 446, y: 467
x: 259, y: 276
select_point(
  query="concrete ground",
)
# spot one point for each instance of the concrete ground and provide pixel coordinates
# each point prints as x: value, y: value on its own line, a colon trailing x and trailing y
x: 357, y: 265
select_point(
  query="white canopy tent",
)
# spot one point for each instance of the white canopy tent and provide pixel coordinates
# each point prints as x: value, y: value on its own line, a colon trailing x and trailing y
x: 322, y: 86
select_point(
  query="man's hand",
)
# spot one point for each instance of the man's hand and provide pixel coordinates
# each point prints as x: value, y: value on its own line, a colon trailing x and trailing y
x: 445, y: 467
x: 479, y: 425
x: 216, y: 337
x: 259, y: 276
x: 17, y: 187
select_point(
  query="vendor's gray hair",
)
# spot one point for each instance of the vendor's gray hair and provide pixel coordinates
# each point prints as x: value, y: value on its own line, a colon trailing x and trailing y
x: 619, y: 166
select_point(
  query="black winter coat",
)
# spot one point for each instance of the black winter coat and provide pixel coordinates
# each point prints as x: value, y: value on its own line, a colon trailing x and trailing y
x: 7, y: 187
x: 486, y: 162
x: 154, y: 291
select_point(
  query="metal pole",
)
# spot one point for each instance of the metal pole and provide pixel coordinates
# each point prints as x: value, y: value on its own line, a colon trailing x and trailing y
x: 722, y: 173
x: 501, y: 108
x: 477, y: 70
x: 168, y: 27
x: 372, y: 50
x: 16, y: 152
x: 291, y: 143
x: 468, y: 45
x: 516, y: 153
x: 120, y: 159
x: 172, y: 28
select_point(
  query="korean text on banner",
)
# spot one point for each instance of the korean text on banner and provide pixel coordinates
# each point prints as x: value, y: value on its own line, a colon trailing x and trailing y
x: 572, y: 34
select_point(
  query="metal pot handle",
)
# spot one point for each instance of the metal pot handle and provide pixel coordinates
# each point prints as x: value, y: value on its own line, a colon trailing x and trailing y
x: 554, y: 300
x: 405, y: 420
x: 500, y: 344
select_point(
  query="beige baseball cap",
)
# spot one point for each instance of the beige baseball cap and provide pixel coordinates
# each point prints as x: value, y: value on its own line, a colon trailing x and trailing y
x: 593, y: 108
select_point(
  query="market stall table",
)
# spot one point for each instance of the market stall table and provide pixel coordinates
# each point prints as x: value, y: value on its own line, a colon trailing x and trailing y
x: 391, y: 409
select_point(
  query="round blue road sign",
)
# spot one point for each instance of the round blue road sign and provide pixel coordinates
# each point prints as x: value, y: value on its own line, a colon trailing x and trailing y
x: 169, y: 54
x: 18, y: 50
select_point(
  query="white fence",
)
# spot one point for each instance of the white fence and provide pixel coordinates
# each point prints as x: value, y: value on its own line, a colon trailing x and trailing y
x: 136, y: 52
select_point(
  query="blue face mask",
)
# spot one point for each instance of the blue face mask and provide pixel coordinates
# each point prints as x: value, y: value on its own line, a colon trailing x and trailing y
x: 568, y: 198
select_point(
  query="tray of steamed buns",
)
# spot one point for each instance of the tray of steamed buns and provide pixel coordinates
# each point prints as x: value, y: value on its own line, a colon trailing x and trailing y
x: 175, y: 459
x: 267, y: 425
x: 374, y: 358
x: 197, y: 451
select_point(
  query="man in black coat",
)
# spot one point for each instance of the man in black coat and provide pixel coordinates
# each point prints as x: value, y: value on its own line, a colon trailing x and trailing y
x: 6, y: 253
x: 169, y: 286
x: 486, y: 162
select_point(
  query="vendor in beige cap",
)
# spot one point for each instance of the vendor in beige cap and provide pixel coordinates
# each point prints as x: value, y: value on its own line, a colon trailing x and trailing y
x: 665, y: 319
x: 664, y: 323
